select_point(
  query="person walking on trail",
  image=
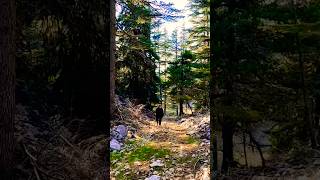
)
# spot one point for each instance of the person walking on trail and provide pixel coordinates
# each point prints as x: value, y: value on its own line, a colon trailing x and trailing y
x: 159, y: 114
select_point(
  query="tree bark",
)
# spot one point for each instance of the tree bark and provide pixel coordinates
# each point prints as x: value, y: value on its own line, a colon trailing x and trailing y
x: 164, y: 90
x: 110, y: 20
x: 212, y: 85
x: 7, y: 87
x: 244, y: 148
x: 181, y: 107
x: 306, y: 116
x: 227, y: 137
x: 112, y: 60
x: 317, y: 119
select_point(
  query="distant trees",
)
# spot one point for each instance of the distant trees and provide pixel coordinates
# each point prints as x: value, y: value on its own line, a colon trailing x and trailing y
x: 7, y: 87
x: 136, y: 53
x: 136, y: 56
x: 198, y: 42
x: 180, y: 79
x: 141, y: 49
x: 166, y: 52
x: 195, y: 42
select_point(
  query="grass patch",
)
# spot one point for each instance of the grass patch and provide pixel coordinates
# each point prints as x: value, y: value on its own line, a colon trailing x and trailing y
x: 122, y: 162
x: 145, y: 153
x: 121, y: 172
x: 138, y: 152
x: 187, y: 159
x: 123, y: 175
x: 131, y: 142
x: 116, y: 155
x: 192, y: 140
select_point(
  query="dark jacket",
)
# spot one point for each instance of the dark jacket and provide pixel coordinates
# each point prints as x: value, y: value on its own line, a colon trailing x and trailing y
x: 159, y: 112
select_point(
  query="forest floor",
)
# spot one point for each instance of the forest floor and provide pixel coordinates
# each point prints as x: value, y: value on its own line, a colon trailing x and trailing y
x: 47, y: 149
x: 168, y: 151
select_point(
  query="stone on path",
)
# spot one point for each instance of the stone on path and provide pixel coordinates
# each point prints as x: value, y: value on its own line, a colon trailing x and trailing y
x: 156, y: 163
x: 115, y: 145
x: 208, y: 134
x: 119, y: 132
x: 153, y: 177
x: 122, y: 130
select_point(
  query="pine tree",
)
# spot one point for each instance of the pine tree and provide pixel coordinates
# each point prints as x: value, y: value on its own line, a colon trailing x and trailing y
x: 165, y: 53
x: 137, y: 56
x: 198, y: 42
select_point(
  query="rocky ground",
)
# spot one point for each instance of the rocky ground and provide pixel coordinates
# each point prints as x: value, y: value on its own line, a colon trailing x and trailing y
x: 179, y: 149
x: 280, y: 167
x: 174, y: 150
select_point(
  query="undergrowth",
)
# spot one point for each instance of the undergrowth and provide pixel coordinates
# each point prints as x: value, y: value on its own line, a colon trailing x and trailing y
x: 134, y: 151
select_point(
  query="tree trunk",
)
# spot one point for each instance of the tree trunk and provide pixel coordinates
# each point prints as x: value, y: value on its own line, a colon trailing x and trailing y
x: 317, y: 119
x: 181, y: 107
x: 110, y: 91
x: 165, y: 102
x: 227, y: 137
x: 160, y: 85
x: 212, y: 85
x: 190, y: 107
x: 165, y: 79
x: 112, y: 35
x: 177, y: 110
x: 7, y: 87
x: 244, y: 148
x: 306, y: 117
x: 228, y: 127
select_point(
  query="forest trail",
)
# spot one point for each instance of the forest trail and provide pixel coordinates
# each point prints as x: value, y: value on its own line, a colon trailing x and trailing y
x: 169, y: 152
x: 170, y: 135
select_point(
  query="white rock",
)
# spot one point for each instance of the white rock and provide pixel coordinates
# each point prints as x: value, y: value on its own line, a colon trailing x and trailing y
x: 115, y: 145
x: 119, y: 133
x: 123, y: 131
x: 156, y: 163
x: 153, y: 177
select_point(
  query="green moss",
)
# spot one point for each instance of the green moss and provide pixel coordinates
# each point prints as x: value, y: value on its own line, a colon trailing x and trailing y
x: 145, y: 153
x: 192, y: 140
x: 131, y: 142
x: 134, y: 151
x: 123, y: 175
x: 116, y: 155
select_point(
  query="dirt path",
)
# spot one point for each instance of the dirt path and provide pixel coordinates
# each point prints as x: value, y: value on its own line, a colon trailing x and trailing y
x: 180, y: 155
